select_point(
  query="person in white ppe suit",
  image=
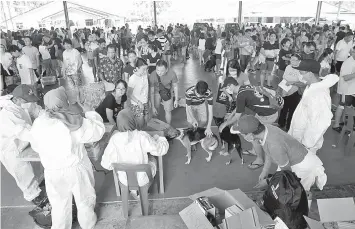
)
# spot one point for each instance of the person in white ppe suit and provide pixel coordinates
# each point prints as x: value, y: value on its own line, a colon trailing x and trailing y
x: 16, y: 114
x: 58, y: 135
x: 313, y: 114
x: 131, y: 146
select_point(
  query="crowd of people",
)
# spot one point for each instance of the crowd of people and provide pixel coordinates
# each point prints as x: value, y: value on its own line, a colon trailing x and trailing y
x: 299, y: 65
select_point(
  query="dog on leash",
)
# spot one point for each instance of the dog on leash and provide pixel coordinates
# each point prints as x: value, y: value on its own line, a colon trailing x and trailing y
x: 192, y: 136
x: 233, y: 140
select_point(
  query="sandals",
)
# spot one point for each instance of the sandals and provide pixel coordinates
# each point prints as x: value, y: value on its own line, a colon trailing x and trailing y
x: 254, y: 166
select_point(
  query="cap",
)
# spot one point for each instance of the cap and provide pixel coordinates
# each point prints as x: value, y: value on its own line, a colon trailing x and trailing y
x: 25, y: 92
x: 101, y: 40
x: 230, y: 80
x: 46, y: 34
x: 309, y: 66
x: 245, y: 125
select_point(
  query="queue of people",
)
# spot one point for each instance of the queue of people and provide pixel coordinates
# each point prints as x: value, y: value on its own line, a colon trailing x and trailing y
x: 291, y: 101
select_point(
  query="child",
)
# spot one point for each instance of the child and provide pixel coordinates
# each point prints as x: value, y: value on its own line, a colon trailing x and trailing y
x: 46, y: 59
x: 153, y: 58
x: 201, y: 48
x: 137, y: 93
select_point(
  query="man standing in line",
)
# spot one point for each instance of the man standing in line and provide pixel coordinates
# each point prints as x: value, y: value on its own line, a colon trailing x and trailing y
x: 163, y: 77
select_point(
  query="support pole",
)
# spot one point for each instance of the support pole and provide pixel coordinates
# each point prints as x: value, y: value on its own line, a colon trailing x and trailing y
x: 67, y: 17
x: 155, y: 13
x: 3, y: 10
x: 339, y: 8
x: 240, y: 10
x: 319, y: 8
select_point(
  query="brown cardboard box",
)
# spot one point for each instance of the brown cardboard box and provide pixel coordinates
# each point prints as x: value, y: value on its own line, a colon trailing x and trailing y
x: 194, y: 218
x: 247, y: 219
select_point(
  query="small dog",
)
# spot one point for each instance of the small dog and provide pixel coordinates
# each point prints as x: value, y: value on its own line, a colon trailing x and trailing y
x: 190, y: 137
x: 233, y: 140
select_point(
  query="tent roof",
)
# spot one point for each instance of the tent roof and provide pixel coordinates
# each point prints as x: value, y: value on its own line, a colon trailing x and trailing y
x: 55, y: 8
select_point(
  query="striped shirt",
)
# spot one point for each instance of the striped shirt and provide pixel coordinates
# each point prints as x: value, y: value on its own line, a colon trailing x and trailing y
x: 162, y: 40
x: 193, y: 99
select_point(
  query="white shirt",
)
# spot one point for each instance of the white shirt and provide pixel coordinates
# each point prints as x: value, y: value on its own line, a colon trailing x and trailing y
x: 291, y: 75
x: 58, y: 147
x: 32, y: 53
x: 6, y: 60
x: 347, y: 87
x: 343, y: 50
x: 71, y: 60
x: 24, y: 66
x: 201, y: 44
x: 140, y: 87
x: 313, y: 114
x: 132, y: 147
x: 44, y: 52
x: 219, y: 47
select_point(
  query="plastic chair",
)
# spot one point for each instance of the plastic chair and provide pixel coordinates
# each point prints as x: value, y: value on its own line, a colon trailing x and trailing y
x: 349, y: 126
x: 132, y: 184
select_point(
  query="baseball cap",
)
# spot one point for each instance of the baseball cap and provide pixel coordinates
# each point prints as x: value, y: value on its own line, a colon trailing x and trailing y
x: 46, y: 34
x: 25, y: 92
x: 309, y: 66
x: 229, y: 81
x: 245, y: 125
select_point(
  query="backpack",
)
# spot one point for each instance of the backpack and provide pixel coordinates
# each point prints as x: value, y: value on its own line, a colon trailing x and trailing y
x: 286, y: 198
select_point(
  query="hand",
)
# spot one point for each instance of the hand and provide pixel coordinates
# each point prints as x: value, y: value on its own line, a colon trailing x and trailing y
x: 176, y: 103
x: 262, y: 176
x: 221, y: 127
x: 155, y: 112
x: 195, y: 124
x: 140, y: 105
x: 261, y: 185
x: 208, y: 132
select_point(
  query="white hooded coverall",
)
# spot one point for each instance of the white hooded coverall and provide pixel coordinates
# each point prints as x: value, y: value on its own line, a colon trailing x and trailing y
x: 313, y: 114
x: 15, y: 125
x: 68, y: 170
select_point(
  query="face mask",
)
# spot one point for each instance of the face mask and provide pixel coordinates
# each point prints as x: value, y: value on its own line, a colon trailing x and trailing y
x: 229, y: 91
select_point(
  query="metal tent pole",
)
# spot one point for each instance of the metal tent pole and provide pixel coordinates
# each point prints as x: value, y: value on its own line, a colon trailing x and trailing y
x: 319, y: 8
x: 67, y: 17
x: 240, y: 11
x: 339, y: 8
x: 8, y: 8
x: 155, y: 12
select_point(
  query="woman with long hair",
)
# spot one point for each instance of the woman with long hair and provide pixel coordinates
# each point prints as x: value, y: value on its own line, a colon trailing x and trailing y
x: 325, y: 61
x: 201, y: 48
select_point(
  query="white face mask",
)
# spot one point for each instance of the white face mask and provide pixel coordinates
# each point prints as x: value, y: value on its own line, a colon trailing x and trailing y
x: 229, y: 90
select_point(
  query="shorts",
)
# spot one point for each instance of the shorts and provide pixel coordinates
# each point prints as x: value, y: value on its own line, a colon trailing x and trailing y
x: 218, y: 57
x: 267, y: 66
x: 347, y: 100
x: 168, y: 105
x: 338, y: 65
x: 199, y: 113
x: 137, y: 111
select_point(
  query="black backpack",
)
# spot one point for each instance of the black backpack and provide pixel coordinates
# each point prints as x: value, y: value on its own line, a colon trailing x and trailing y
x: 286, y: 198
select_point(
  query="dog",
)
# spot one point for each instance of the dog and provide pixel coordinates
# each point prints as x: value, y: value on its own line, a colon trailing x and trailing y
x: 233, y: 140
x: 190, y: 137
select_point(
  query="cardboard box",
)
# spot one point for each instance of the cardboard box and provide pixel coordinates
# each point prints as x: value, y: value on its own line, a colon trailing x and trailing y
x: 247, y: 219
x: 233, y: 210
x: 337, y: 210
x: 194, y: 218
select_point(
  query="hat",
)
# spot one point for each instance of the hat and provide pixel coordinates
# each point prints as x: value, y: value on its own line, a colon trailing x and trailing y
x: 230, y: 80
x: 309, y: 66
x: 25, y: 92
x: 245, y: 125
x: 46, y: 34
x: 101, y: 40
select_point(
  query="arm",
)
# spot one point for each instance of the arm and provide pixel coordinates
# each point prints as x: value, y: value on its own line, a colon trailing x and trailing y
x: 152, y: 96
x: 37, y: 58
x: 91, y: 130
x: 100, y: 73
x: 109, y: 115
x: 232, y: 119
x: 349, y: 77
x: 156, y: 146
x: 125, y: 76
x: 210, y: 116
x: 175, y: 87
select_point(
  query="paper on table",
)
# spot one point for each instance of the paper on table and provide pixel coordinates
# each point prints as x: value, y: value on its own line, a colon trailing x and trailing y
x: 313, y: 224
x: 194, y: 218
x: 345, y: 209
x: 283, y: 85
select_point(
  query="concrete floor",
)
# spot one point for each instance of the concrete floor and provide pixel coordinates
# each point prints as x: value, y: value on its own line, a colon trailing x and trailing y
x: 183, y: 180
